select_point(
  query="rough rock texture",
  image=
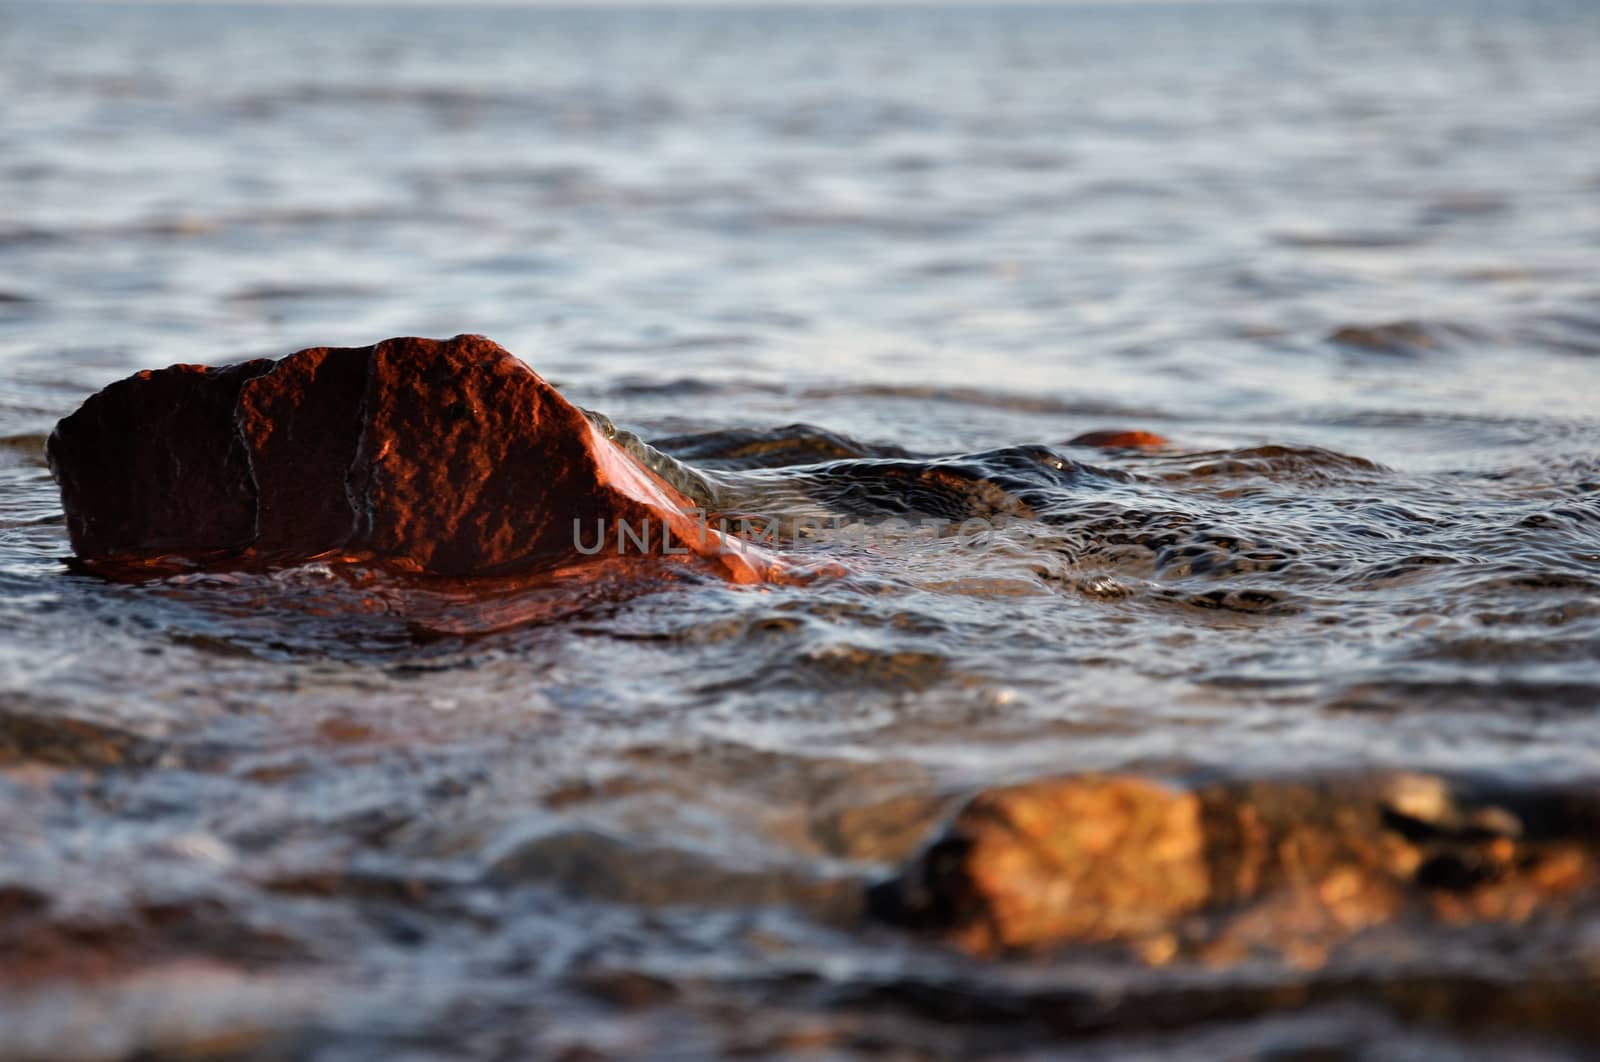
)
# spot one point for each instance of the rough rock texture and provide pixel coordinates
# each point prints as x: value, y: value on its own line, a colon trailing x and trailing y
x: 119, y: 458
x: 1230, y: 869
x: 445, y: 457
x: 302, y: 424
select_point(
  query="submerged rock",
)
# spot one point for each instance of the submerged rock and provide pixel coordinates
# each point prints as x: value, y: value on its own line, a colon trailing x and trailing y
x: 1402, y: 337
x: 1225, y: 870
x: 442, y: 457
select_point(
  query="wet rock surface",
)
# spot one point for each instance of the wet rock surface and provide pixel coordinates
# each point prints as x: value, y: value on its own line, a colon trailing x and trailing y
x: 440, y: 457
x: 154, y: 463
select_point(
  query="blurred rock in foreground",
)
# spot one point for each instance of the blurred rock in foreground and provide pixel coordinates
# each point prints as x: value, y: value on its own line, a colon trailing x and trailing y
x: 1222, y: 871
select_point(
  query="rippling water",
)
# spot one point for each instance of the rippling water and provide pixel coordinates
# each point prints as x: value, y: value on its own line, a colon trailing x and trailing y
x: 1343, y: 255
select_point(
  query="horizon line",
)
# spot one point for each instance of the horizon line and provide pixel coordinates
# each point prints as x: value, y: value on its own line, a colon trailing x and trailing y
x: 661, y: 4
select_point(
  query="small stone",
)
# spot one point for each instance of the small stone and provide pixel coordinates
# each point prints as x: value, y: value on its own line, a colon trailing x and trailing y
x: 1119, y: 440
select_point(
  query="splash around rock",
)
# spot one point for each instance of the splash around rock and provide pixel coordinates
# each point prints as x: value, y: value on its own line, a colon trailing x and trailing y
x: 436, y: 457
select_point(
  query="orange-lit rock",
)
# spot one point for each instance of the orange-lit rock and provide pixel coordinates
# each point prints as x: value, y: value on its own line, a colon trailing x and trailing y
x: 1119, y: 440
x: 1087, y: 859
x: 1225, y: 870
x: 442, y: 457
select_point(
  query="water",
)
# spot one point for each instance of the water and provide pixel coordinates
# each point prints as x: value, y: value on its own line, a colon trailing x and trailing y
x: 295, y: 815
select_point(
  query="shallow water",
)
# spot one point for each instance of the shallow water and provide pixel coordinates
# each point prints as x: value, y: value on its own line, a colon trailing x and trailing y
x: 1343, y: 256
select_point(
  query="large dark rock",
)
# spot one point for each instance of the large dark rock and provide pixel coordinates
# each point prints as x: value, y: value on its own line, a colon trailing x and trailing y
x: 446, y: 457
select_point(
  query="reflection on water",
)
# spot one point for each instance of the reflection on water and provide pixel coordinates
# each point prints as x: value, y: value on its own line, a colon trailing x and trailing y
x: 865, y: 262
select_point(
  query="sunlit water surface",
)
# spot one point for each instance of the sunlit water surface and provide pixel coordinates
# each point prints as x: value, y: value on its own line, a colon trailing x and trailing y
x: 642, y: 828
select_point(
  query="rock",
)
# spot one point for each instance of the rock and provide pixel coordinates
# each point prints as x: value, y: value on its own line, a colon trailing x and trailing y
x: 58, y: 737
x: 1084, y: 860
x: 1402, y: 337
x: 1119, y: 440
x: 303, y: 424
x: 440, y: 457
x: 1228, y: 869
x: 595, y: 865
x: 153, y: 464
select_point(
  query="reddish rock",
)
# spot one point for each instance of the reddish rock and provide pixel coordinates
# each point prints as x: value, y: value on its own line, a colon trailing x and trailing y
x: 1119, y: 440
x: 301, y: 424
x: 120, y: 457
x: 444, y: 457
